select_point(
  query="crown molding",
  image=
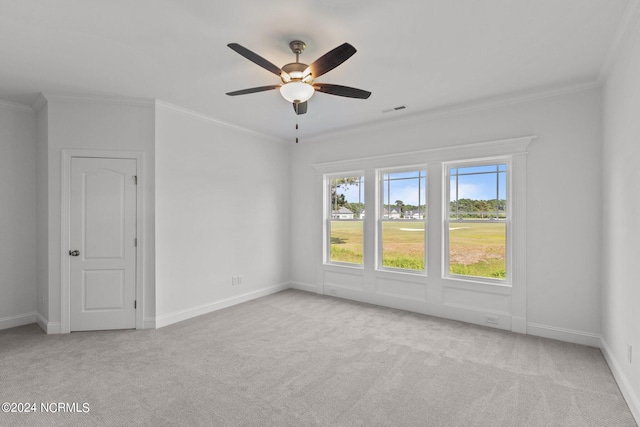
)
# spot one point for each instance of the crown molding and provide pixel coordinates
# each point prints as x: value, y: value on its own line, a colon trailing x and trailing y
x: 629, y: 20
x: 478, y: 105
x: 175, y: 108
x: 14, y: 106
x: 40, y: 102
x: 44, y: 97
x: 94, y: 99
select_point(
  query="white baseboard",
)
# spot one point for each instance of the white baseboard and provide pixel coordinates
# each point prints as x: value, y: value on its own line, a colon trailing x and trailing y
x: 518, y: 325
x: 562, y: 334
x: 179, y: 316
x: 149, y: 323
x: 304, y: 287
x: 633, y: 401
x: 48, y: 327
x: 42, y: 322
x: 17, y: 320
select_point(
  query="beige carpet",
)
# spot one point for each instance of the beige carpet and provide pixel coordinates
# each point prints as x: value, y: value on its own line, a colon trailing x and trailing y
x: 299, y: 359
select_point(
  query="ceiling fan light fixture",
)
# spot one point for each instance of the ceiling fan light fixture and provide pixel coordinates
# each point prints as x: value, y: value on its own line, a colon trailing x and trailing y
x: 298, y: 78
x: 297, y: 91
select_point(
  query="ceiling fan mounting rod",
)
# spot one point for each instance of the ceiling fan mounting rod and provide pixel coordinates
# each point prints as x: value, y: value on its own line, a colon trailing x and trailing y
x: 297, y: 47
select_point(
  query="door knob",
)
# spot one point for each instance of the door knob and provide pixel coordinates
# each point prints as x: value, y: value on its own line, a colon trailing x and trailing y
x: 74, y: 253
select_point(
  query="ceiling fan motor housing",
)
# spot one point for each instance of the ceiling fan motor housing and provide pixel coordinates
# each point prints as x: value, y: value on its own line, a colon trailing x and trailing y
x: 295, y: 71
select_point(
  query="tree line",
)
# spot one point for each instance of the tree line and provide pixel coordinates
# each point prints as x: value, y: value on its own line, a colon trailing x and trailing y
x: 461, y: 208
x: 470, y: 208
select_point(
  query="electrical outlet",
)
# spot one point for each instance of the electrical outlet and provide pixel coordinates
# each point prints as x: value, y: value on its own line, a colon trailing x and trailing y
x: 332, y: 291
x: 630, y: 353
x: 234, y: 280
x: 489, y: 318
x: 239, y: 280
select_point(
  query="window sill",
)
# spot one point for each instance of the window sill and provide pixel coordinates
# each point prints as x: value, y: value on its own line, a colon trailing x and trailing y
x: 406, y: 276
x: 344, y: 268
x: 477, y: 285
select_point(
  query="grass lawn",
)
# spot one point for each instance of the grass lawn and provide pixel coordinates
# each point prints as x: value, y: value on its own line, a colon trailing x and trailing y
x: 476, y: 249
x: 346, y: 241
x: 403, y: 244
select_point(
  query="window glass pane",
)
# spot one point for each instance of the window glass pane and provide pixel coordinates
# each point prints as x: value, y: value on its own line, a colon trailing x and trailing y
x: 478, y: 246
x: 403, y: 244
x: 347, y: 213
x: 478, y: 249
x: 404, y: 195
x: 502, y: 195
x: 400, y: 175
x: 477, y: 169
x: 347, y: 194
x: 478, y: 192
x: 346, y: 241
x: 403, y: 219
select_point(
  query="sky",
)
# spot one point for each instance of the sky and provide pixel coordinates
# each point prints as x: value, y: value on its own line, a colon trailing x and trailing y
x: 479, y: 187
x: 353, y: 194
x: 475, y: 186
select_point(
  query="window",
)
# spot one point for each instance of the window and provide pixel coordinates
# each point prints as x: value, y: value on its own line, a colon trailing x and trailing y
x: 346, y: 214
x: 402, y: 220
x: 476, y: 224
x: 470, y: 229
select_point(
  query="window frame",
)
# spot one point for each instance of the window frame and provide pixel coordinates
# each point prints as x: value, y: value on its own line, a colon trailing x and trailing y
x: 446, y: 220
x: 328, y: 218
x: 379, y: 209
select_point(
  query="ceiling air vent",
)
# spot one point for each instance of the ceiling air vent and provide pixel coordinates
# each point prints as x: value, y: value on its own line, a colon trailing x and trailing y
x: 400, y: 107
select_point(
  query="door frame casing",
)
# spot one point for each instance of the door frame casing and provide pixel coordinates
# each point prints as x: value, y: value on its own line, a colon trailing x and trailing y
x: 65, y: 284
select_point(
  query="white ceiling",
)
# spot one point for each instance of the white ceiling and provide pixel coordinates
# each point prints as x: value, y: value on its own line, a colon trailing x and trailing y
x: 425, y: 54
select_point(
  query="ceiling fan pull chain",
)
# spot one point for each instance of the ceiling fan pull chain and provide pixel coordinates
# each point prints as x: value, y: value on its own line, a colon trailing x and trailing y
x: 297, y: 104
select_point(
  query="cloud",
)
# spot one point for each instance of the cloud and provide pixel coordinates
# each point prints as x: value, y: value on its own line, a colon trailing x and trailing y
x: 470, y: 191
x: 408, y: 195
x: 351, y: 194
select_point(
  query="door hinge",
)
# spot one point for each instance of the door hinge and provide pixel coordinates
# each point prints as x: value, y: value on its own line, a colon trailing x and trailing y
x: 135, y: 304
x: 135, y: 179
x: 135, y: 242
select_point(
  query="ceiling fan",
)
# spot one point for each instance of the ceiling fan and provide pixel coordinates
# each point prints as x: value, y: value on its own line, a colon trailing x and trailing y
x: 298, y: 79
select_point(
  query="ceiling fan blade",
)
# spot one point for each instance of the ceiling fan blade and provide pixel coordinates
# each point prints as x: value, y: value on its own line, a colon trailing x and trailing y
x: 349, y: 92
x: 331, y: 60
x: 300, y: 108
x: 252, y: 90
x: 255, y: 58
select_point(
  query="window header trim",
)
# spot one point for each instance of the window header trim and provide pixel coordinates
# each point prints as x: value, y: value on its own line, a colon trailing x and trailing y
x: 472, y: 151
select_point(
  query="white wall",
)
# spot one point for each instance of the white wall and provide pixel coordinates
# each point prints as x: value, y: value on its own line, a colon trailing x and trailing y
x: 17, y: 216
x: 95, y: 124
x: 223, y: 200
x: 227, y: 205
x: 564, y: 196
x: 222, y: 210
x: 621, y: 202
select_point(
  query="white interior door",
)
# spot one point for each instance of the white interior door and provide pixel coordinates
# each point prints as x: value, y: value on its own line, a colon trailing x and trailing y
x: 102, y: 255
